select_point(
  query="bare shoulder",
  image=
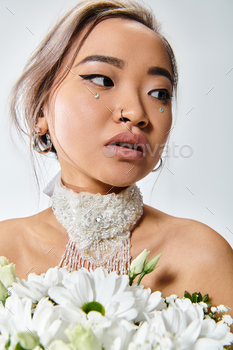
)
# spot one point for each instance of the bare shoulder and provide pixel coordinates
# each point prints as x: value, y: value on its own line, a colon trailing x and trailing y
x: 199, y: 243
x: 189, y: 233
x: 33, y: 244
x: 12, y: 229
x: 194, y: 257
x: 202, y: 238
x: 12, y: 234
x: 209, y: 260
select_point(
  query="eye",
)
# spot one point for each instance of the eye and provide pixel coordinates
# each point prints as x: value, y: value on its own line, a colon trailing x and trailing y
x: 98, y: 79
x: 161, y: 94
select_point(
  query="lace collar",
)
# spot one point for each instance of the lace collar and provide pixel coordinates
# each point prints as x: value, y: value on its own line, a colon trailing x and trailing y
x: 98, y: 225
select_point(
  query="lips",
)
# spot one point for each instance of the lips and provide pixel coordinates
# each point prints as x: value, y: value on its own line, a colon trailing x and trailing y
x: 127, y: 137
x: 126, y: 145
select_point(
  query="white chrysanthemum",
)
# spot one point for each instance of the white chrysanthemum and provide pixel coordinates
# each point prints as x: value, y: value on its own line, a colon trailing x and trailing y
x: 171, y: 298
x: 184, y: 324
x: 146, y: 302
x: 6, y: 314
x: 36, y: 286
x: 191, y: 310
x: 181, y: 326
x: 98, y: 323
x: 171, y: 328
x: 118, y: 336
x: 227, y: 319
x: 111, y: 332
x: 216, y: 335
x: 99, y: 310
x: 105, y: 330
x: 85, y: 291
x: 184, y: 303
x: 16, y: 317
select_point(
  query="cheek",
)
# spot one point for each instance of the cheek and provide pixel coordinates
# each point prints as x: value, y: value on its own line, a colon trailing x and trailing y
x: 73, y: 115
x: 168, y: 124
x: 163, y: 125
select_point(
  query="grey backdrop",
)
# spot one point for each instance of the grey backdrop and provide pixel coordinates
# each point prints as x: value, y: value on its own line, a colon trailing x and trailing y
x: 196, y: 181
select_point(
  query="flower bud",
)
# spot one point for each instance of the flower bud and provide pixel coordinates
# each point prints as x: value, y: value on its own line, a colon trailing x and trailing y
x: 7, y: 272
x: 83, y: 339
x: 137, y: 265
x: 28, y: 340
x: 151, y: 264
x: 3, y: 261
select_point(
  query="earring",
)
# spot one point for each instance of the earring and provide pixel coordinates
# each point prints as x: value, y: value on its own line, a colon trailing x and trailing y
x: 160, y: 164
x: 37, y: 141
x: 161, y: 109
x: 96, y: 95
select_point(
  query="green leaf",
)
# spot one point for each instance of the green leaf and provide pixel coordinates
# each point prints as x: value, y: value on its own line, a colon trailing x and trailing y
x: 187, y: 295
x: 151, y: 264
x: 19, y: 347
x: 8, y: 343
x: 194, y: 297
x: 206, y: 298
x: 140, y: 278
x: 199, y: 297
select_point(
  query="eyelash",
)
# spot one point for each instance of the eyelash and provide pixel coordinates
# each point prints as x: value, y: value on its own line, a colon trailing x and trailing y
x: 93, y: 76
x: 162, y: 94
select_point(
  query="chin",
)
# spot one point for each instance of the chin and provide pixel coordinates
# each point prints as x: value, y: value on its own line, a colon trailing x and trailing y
x: 118, y: 180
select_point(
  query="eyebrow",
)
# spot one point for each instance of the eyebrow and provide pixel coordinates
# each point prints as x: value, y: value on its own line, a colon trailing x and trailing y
x: 116, y: 62
x: 160, y: 71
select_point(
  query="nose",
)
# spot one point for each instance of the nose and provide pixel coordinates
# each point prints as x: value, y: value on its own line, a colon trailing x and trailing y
x: 132, y: 113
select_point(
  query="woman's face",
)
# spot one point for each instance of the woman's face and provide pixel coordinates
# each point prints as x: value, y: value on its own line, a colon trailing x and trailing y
x: 117, y: 138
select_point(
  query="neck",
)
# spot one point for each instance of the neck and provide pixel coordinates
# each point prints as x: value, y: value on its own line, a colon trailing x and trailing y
x: 90, y: 186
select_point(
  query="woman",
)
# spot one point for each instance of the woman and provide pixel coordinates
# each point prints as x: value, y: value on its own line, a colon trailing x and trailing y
x: 99, y: 93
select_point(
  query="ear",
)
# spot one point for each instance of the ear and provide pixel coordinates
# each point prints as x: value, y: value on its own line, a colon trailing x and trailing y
x: 41, y: 126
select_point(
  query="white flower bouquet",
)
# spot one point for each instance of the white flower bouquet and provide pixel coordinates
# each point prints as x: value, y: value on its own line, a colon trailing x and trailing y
x: 96, y: 310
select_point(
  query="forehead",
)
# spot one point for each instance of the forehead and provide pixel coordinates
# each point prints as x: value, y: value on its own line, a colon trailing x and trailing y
x: 128, y: 40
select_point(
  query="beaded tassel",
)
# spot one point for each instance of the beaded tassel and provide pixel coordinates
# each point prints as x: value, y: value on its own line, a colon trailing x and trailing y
x: 119, y: 261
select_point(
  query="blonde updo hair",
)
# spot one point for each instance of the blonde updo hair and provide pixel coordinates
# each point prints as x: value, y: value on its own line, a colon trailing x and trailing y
x: 33, y: 88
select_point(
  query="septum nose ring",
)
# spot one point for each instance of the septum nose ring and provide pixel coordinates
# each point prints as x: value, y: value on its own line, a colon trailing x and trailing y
x: 125, y: 121
x: 122, y: 115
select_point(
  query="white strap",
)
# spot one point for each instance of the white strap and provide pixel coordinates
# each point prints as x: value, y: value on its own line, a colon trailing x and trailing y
x: 48, y: 190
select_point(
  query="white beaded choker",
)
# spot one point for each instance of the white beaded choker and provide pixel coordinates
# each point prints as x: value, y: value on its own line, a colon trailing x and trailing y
x: 98, y: 226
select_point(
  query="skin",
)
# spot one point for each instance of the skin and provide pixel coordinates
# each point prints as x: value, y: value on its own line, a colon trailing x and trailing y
x: 194, y: 257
